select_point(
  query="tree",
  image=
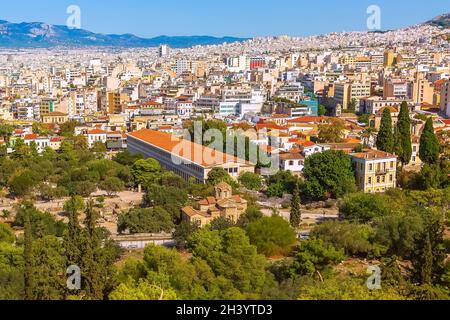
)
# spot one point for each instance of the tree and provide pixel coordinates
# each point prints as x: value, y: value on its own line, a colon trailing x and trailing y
x: 152, y: 220
x: 352, y: 105
x: 251, y: 181
x: 328, y: 174
x: 404, y: 134
x: 182, y: 233
x: 146, y: 172
x: 429, y: 144
x: 313, y: 256
x: 231, y: 256
x: 322, y: 110
x: 142, y: 290
x: 99, y: 147
x: 6, y: 233
x: 6, y: 131
x: 171, y: 199
x: 429, y: 257
x: 48, y: 265
x: 22, y: 184
x: 217, y: 175
x: 363, y: 208
x: 271, y: 235
x: 221, y: 223
x: 365, y: 118
x: 345, y: 288
x: 253, y: 213
x: 385, y: 139
x: 126, y: 158
x: 99, y: 254
x: 73, y: 236
x: 295, y: 217
x: 354, y: 239
x: 112, y: 185
x: 83, y: 188
x: 68, y: 128
x: 11, y: 272
x: 332, y: 132
x: 28, y: 258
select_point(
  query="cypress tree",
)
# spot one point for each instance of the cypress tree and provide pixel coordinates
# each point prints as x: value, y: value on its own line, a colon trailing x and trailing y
x: 28, y: 257
x: 385, y: 139
x: 295, y: 208
x: 429, y: 256
x: 404, y: 134
x: 98, y: 257
x: 73, y: 237
x: 429, y: 144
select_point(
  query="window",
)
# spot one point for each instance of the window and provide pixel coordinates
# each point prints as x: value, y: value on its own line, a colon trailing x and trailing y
x: 291, y: 163
x: 369, y: 180
x: 391, y: 178
x: 378, y: 180
x: 370, y: 167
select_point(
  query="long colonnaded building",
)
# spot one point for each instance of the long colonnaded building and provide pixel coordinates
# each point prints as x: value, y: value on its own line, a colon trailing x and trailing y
x: 183, y: 157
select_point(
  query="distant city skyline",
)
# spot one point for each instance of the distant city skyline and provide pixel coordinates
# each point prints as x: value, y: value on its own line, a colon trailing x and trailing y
x: 250, y: 18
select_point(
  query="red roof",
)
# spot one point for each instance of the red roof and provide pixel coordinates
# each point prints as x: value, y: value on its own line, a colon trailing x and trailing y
x: 308, y: 120
x: 32, y: 136
x: 196, y: 153
x: 97, y: 131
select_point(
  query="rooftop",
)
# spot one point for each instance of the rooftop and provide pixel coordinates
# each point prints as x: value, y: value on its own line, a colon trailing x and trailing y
x: 369, y: 154
x: 193, y: 152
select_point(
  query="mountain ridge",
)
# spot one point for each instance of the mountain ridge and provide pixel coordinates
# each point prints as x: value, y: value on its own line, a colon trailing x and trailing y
x: 43, y: 35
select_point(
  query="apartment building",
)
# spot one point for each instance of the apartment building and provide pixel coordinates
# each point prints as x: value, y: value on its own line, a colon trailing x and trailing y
x: 421, y: 91
x: 445, y: 99
x: 375, y: 170
x: 55, y: 117
x: 395, y: 88
x: 344, y: 93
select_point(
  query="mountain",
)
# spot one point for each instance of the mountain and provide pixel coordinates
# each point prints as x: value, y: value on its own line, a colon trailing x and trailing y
x: 441, y: 21
x: 43, y: 35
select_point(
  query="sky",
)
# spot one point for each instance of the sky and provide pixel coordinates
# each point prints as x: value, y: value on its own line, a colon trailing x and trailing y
x: 241, y: 18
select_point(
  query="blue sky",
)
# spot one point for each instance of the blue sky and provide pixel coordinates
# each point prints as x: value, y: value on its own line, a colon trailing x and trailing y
x: 246, y: 18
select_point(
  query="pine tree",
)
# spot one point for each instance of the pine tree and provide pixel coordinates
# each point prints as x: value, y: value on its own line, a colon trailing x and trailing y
x: 404, y: 134
x: 385, y: 139
x: 429, y: 144
x: 295, y: 208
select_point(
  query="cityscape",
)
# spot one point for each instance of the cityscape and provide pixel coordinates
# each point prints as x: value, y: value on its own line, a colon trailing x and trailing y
x: 225, y: 167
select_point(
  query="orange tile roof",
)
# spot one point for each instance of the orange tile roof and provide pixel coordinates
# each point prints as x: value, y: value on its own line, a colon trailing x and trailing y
x: 97, y: 131
x: 185, y: 149
x: 32, y: 136
x: 369, y: 154
x: 307, y: 120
